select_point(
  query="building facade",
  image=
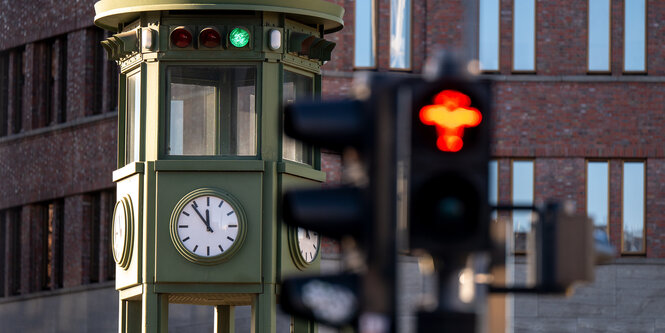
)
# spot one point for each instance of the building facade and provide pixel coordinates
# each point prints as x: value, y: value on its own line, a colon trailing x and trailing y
x: 579, y: 116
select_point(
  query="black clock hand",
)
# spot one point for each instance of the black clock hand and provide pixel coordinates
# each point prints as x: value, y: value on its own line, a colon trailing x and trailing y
x: 307, y: 233
x: 202, y: 219
x: 208, y: 221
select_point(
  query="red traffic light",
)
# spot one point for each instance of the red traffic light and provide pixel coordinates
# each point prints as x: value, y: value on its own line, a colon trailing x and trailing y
x: 181, y: 37
x: 450, y: 113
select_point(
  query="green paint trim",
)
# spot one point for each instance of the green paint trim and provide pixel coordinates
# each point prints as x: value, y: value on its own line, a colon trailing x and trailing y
x: 124, y: 206
x: 210, y: 165
x: 242, y: 226
x: 128, y: 170
x: 301, y: 170
x: 112, y: 13
x: 208, y: 288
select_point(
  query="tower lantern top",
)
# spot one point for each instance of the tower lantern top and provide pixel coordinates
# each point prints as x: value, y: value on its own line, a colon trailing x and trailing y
x: 112, y: 13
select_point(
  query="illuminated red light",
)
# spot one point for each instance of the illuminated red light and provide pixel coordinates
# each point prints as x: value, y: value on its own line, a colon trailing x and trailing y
x: 450, y: 113
x: 181, y: 37
x: 210, y: 37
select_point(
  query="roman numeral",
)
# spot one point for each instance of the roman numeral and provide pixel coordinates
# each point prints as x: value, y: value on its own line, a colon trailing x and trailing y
x: 196, y: 247
x: 221, y: 203
x: 183, y: 226
x: 229, y: 238
x: 186, y: 214
x: 229, y: 213
x: 184, y: 240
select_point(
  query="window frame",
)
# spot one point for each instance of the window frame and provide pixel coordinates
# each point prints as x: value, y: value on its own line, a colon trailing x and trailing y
x: 644, y: 207
x: 409, y: 47
x: 586, y: 192
x: 609, y: 40
x: 373, y: 34
x: 123, y: 151
x: 498, y: 39
x: 625, y: 49
x: 512, y: 200
x: 535, y: 40
x: 164, y: 124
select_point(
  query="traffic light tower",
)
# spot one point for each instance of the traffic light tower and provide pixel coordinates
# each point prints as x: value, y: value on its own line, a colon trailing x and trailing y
x: 202, y: 160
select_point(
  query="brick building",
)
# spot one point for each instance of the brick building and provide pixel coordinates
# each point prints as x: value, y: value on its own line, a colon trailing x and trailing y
x: 579, y: 88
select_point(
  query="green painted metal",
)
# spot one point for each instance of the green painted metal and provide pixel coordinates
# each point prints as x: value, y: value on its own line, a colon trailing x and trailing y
x: 110, y: 14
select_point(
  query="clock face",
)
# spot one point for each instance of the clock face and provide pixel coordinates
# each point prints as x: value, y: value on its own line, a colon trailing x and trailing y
x: 208, y: 226
x: 121, y: 230
x: 308, y: 244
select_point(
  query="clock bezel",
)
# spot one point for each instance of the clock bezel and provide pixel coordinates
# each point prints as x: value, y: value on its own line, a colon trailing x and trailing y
x: 124, y: 258
x: 237, y: 208
x: 294, y: 249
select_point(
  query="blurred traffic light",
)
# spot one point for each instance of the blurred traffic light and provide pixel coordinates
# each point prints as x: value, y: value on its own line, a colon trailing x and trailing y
x: 450, y: 138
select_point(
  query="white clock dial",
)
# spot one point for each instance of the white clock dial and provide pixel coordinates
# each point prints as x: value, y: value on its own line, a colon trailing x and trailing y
x: 308, y: 244
x: 208, y: 226
x: 119, y: 233
x: 121, y: 229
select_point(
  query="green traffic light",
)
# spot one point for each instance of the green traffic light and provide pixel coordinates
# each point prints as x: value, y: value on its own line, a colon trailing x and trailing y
x: 239, y: 37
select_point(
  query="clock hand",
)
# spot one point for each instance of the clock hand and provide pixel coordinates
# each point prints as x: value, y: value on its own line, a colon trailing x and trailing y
x: 208, y: 221
x: 201, y: 216
x: 307, y: 233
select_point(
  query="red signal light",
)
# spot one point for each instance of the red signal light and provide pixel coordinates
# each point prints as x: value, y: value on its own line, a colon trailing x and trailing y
x: 450, y: 113
x: 181, y: 37
x: 210, y: 37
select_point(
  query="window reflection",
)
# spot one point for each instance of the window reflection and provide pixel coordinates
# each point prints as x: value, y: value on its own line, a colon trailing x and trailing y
x: 635, y: 35
x: 633, y: 207
x: 599, y: 35
x: 296, y: 87
x: 211, y: 111
x: 524, y: 35
x: 488, y: 27
x: 493, y: 187
x: 522, y: 195
x: 400, y: 34
x: 364, y: 34
x: 597, y: 193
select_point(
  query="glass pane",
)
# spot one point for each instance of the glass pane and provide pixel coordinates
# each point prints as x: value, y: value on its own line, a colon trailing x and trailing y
x: 132, y: 140
x: 212, y: 111
x: 599, y: 35
x: 597, y: 193
x: 493, y: 187
x: 634, y: 48
x: 633, y: 207
x: 522, y: 195
x: 296, y: 87
x: 488, y: 26
x: 524, y: 31
x: 364, y: 45
x: 400, y: 34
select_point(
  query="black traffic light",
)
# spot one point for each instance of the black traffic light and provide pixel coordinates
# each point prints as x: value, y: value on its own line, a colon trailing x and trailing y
x: 450, y: 151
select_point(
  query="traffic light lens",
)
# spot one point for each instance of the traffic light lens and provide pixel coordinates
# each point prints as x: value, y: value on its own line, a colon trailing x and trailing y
x: 239, y: 37
x: 209, y: 37
x: 180, y: 37
x: 450, y: 113
x: 451, y: 208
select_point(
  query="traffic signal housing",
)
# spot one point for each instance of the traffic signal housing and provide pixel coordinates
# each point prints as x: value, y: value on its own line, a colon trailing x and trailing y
x: 450, y: 152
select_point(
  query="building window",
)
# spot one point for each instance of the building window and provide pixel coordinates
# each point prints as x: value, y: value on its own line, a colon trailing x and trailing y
x: 97, y: 74
x: 400, y: 34
x: 109, y: 263
x: 4, y: 93
x: 212, y: 111
x: 60, y: 76
x: 633, y: 208
x: 17, y: 82
x: 488, y: 39
x: 53, y: 245
x: 493, y: 187
x: 14, y: 247
x: 524, y: 35
x: 3, y: 251
x: 599, y: 35
x: 93, y: 203
x: 297, y: 87
x: 634, y: 48
x: 365, y: 34
x: 522, y: 195
x: 597, y: 193
x: 132, y: 118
